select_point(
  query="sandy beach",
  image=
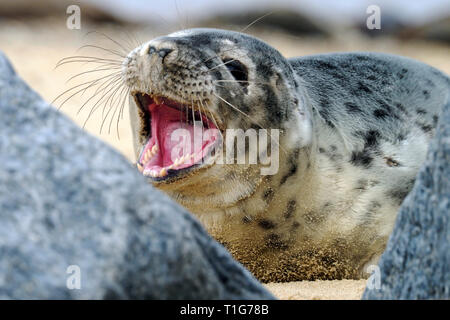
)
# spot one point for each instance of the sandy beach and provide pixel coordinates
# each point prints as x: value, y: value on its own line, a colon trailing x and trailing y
x: 318, y: 290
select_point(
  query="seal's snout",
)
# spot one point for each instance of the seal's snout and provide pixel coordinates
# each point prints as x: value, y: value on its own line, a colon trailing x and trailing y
x: 162, y: 53
x: 149, y: 63
x: 159, y: 49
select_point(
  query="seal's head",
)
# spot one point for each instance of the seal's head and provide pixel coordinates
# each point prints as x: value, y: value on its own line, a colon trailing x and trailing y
x: 203, y: 82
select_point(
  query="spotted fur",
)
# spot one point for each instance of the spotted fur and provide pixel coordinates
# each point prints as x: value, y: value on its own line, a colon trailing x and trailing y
x: 355, y: 129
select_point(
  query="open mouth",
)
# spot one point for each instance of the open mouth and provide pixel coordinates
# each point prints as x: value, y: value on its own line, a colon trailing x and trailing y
x: 178, y: 137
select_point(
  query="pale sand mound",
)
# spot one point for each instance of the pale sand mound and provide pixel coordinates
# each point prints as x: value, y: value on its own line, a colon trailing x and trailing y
x: 318, y: 290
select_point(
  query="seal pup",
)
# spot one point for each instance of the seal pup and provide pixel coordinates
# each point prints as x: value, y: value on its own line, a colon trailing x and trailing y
x: 353, y: 132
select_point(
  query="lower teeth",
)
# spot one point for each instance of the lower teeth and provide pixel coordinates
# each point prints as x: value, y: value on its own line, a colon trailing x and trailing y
x: 164, y: 171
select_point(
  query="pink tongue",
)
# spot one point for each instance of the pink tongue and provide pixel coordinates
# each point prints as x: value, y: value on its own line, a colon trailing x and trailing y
x: 174, y: 139
x: 181, y: 139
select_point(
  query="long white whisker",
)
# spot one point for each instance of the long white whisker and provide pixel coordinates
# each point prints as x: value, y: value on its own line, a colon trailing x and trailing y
x: 222, y: 64
x: 110, y: 82
x: 108, y: 37
x: 114, y: 52
x: 256, y: 20
x: 90, y: 84
x: 214, y: 120
x: 115, y: 84
x: 235, y: 108
x: 115, y: 110
x: 90, y: 71
x: 83, y: 58
x: 104, y: 119
x: 120, y: 115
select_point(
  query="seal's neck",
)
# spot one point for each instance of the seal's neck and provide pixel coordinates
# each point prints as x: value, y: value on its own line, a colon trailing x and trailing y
x: 229, y: 188
x: 219, y: 188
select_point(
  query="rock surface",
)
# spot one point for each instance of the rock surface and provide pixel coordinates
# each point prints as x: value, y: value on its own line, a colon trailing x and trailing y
x: 66, y: 199
x: 416, y: 262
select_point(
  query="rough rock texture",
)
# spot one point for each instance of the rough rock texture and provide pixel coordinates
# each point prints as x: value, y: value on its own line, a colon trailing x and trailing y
x: 68, y: 199
x: 416, y: 263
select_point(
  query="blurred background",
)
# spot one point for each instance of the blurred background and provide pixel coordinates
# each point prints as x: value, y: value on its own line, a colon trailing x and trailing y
x: 35, y: 36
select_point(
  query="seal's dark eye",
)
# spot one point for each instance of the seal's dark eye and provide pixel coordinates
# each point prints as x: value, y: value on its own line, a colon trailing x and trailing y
x: 237, y: 70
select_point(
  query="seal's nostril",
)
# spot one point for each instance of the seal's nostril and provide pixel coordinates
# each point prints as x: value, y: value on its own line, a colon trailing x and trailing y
x: 164, y: 52
x: 151, y: 50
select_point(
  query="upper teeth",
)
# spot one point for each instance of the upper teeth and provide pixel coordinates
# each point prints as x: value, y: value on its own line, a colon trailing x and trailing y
x: 149, y: 154
x: 157, y: 100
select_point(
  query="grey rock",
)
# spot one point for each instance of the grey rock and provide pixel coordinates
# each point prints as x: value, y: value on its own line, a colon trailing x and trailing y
x: 68, y: 199
x: 415, y: 264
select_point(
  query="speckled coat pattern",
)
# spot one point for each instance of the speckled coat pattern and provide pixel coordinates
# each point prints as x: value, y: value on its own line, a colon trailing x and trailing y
x: 354, y: 128
x: 415, y: 262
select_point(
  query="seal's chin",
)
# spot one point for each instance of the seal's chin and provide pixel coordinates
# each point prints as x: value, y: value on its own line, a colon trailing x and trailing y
x: 178, y: 137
